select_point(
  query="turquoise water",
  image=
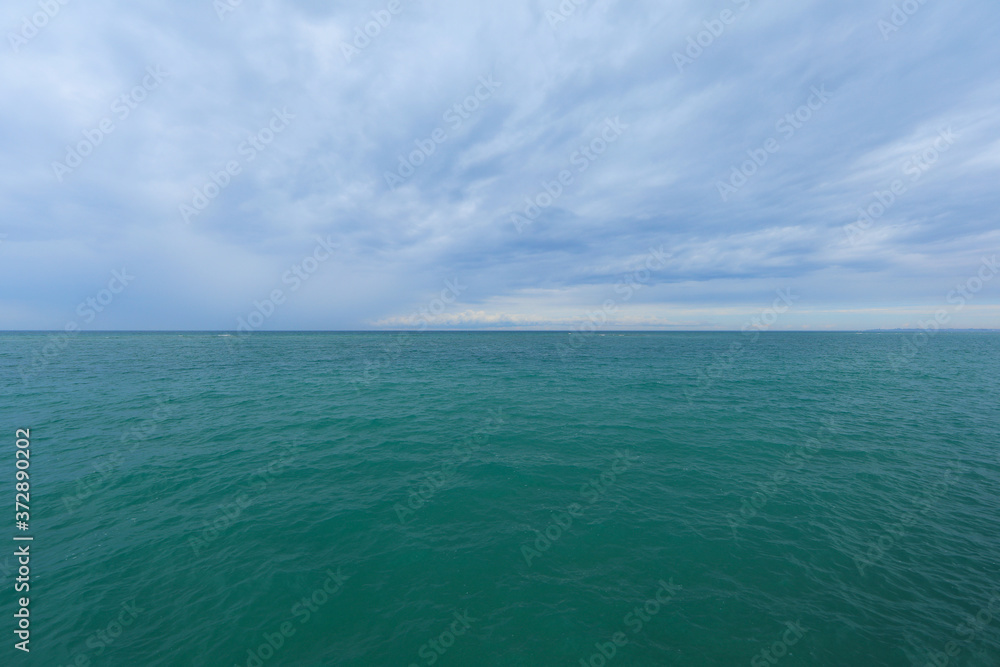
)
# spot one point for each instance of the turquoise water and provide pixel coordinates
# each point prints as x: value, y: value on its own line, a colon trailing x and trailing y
x: 507, y: 498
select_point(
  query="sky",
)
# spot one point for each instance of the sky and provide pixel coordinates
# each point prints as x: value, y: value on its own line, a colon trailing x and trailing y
x: 526, y: 164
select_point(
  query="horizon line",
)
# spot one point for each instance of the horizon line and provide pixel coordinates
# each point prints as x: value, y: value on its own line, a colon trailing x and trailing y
x: 486, y: 330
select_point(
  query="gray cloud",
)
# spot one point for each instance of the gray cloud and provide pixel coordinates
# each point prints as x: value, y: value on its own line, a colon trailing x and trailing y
x: 890, y: 95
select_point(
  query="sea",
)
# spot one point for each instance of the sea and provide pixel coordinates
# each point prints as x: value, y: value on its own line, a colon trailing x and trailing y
x: 501, y: 499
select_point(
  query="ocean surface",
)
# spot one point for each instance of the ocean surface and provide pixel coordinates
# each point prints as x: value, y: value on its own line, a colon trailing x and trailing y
x: 505, y: 499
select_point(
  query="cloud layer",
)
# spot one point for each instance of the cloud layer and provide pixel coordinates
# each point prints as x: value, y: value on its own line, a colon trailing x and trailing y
x: 680, y: 161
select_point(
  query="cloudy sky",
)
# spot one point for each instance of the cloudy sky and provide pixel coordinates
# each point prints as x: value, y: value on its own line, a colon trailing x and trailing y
x: 664, y: 164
